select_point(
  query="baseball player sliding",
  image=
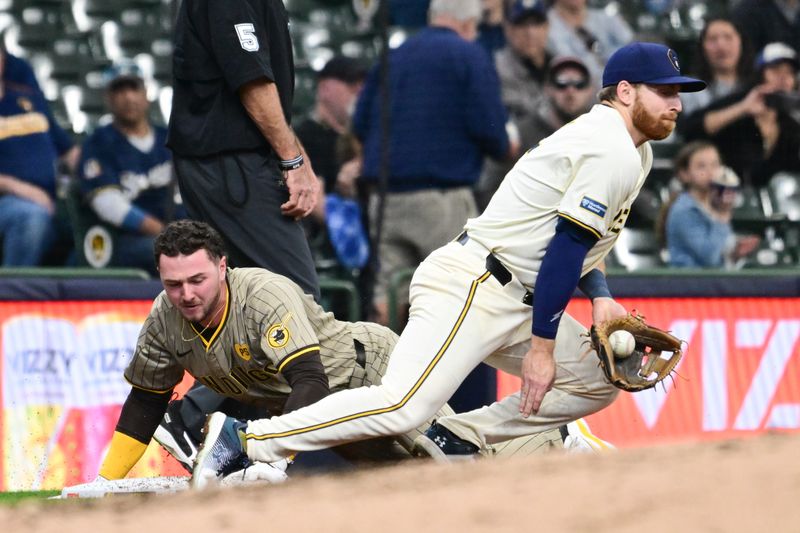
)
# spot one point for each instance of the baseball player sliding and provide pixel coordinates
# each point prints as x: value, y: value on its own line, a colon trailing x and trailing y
x: 245, y: 333
x: 550, y: 224
x: 254, y: 336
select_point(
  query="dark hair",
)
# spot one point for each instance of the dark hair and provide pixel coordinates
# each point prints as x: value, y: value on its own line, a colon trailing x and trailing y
x: 680, y: 162
x: 687, y: 151
x: 185, y: 237
x: 744, y: 68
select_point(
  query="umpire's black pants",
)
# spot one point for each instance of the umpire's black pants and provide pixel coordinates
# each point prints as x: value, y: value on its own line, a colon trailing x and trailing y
x: 240, y: 194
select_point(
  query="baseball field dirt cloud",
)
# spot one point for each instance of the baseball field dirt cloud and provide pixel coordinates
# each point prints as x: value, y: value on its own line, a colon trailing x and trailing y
x: 728, y: 486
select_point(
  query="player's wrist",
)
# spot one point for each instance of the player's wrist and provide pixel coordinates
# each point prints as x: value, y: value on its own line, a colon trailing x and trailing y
x: 594, y: 285
x: 293, y: 163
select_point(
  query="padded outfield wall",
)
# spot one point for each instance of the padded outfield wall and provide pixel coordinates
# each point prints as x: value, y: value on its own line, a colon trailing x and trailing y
x: 64, y: 344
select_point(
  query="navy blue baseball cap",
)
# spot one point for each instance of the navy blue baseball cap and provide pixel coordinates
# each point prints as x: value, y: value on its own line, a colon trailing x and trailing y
x: 650, y: 63
x: 521, y: 11
x: 124, y: 74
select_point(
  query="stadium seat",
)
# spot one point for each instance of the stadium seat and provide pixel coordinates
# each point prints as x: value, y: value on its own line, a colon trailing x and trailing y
x: 84, y: 106
x: 101, y: 9
x: 645, y: 208
x: 36, y: 28
x: 94, y: 239
x: 637, y: 248
x: 341, y: 297
x: 748, y: 205
x: 72, y: 59
x: 784, y: 193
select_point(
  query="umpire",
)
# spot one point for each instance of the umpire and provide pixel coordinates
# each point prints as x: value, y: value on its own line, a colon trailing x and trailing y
x: 239, y: 165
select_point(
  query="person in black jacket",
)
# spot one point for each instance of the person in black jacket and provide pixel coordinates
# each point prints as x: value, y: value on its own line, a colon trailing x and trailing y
x: 239, y: 165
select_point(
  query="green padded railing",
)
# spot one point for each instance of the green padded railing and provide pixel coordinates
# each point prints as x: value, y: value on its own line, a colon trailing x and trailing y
x: 76, y: 272
x: 334, y: 286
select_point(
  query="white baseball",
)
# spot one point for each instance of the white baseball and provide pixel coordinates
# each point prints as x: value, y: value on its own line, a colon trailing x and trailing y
x: 622, y: 343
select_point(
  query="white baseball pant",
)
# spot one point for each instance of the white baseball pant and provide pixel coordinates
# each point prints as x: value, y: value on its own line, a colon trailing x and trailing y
x: 459, y: 314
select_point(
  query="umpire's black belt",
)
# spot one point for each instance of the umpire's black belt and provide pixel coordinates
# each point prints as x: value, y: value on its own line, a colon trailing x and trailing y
x: 497, y: 269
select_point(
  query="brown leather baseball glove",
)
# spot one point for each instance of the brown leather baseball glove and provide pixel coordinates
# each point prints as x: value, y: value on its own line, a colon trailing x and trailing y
x: 656, y: 355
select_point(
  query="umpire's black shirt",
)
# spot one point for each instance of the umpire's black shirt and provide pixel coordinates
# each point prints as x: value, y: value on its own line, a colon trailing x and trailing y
x: 221, y: 45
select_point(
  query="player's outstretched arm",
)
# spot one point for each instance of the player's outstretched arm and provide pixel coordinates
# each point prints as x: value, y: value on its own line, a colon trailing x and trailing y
x: 140, y: 415
x: 558, y: 276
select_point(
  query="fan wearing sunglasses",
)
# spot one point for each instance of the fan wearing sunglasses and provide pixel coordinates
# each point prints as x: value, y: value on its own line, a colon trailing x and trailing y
x: 568, y: 92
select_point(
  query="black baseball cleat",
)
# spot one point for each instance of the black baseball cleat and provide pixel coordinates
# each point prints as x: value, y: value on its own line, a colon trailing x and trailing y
x: 444, y: 446
x: 223, y: 450
x: 173, y: 436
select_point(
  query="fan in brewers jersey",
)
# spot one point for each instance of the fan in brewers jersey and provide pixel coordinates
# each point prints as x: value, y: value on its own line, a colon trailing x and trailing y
x: 126, y: 172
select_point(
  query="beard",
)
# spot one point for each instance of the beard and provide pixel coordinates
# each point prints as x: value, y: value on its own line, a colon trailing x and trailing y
x: 205, y: 312
x: 655, y: 128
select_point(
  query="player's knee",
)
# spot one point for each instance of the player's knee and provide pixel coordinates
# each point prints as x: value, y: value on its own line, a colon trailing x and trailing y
x: 403, y: 417
x: 406, y: 419
x: 610, y: 396
x: 412, y: 416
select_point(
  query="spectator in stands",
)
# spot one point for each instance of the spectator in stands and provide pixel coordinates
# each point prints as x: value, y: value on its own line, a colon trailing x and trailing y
x: 586, y: 32
x: 754, y: 128
x: 569, y: 92
x: 723, y: 59
x: 31, y: 144
x: 336, y: 224
x: 16, y: 70
x: 324, y: 131
x: 769, y: 21
x: 698, y: 222
x: 491, y: 29
x: 126, y: 172
x: 446, y: 116
x: 522, y: 64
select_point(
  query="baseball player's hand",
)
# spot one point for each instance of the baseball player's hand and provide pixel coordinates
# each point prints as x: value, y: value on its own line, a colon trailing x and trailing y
x: 538, y: 375
x: 604, y: 309
x: 303, y: 190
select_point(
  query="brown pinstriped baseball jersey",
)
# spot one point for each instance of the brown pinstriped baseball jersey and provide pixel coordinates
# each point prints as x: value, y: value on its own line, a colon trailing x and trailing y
x: 267, y: 322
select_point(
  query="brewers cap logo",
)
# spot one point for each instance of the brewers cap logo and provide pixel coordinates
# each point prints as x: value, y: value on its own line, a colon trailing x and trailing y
x: 242, y: 350
x: 673, y: 58
x: 25, y: 104
x: 278, y: 336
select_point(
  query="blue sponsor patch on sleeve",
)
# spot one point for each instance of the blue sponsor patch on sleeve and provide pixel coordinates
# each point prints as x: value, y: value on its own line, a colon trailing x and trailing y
x: 593, y: 206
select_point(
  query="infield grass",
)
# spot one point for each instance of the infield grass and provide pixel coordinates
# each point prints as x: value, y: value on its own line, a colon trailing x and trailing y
x: 15, y: 497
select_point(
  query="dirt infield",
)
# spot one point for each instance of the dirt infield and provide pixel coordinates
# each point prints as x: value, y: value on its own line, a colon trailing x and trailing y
x: 746, y: 485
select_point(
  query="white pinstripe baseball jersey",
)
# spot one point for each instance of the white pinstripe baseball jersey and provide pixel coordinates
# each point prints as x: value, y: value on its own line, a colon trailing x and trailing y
x: 588, y: 172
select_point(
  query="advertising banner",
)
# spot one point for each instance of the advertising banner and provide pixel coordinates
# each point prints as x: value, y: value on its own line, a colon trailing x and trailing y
x: 61, y: 384
x: 61, y: 388
x: 740, y: 374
